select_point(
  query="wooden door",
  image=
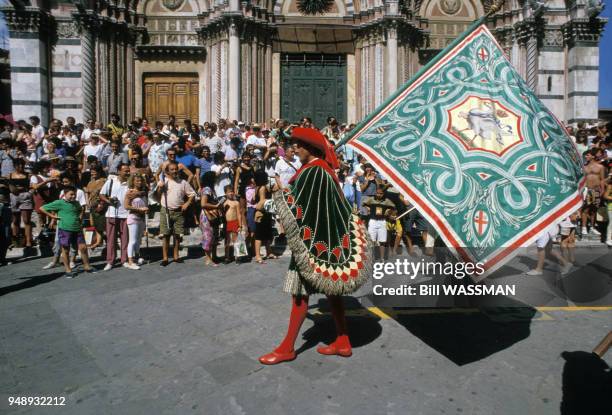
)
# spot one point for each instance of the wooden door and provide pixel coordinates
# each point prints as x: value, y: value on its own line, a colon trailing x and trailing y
x: 171, y: 94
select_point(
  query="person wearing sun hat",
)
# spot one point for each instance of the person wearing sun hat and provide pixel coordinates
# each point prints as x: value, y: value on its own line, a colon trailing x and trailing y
x: 329, y: 244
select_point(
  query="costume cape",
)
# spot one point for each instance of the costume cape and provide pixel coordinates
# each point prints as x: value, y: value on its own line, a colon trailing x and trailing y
x: 331, y: 249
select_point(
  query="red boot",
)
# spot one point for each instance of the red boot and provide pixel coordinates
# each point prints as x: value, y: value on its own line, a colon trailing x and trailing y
x: 285, y: 351
x: 342, y: 345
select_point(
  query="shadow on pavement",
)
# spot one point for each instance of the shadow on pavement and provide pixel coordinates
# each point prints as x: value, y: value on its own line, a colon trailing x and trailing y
x: 589, y: 284
x: 465, y: 337
x: 31, y: 282
x: 587, y: 384
x: 363, y: 326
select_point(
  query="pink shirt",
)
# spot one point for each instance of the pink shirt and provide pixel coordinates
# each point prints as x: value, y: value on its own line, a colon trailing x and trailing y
x: 134, y: 218
x: 250, y: 195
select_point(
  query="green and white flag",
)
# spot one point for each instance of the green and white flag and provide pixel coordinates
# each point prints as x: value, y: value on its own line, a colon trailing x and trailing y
x: 474, y: 149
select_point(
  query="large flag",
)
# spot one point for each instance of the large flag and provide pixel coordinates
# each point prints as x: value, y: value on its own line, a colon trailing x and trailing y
x: 475, y: 151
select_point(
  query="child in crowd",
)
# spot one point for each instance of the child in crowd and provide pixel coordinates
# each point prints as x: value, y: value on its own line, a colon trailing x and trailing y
x: 394, y: 233
x: 233, y: 220
x: 69, y: 214
x: 250, y: 192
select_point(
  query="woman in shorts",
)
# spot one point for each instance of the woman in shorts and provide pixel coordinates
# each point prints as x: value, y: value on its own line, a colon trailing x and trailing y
x: 22, y: 202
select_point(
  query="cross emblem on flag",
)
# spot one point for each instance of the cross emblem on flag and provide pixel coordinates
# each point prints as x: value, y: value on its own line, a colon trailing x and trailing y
x: 481, y: 221
x: 483, y: 54
x: 491, y: 168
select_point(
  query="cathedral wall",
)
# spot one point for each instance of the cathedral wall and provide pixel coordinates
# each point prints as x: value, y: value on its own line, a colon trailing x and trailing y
x: 551, y: 81
x: 67, y: 91
x: 583, y: 83
x: 29, y: 78
x: 351, y: 97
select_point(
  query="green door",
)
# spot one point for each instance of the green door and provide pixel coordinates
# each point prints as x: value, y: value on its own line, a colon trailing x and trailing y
x: 313, y: 85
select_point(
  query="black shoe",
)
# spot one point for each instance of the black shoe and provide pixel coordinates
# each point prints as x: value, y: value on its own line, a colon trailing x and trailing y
x: 90, y: 271
x: 71, y: 274
x: 163, y: 263
x: 179, y: 261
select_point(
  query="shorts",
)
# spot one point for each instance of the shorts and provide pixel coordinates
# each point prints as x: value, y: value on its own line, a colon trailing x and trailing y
x: 232, y: 226
x: 22, y: 201
x: 67, y: 239
x: 391, y: 235
x: 546, y: 237
x: 592, y: 198
x: 377, y: 228
x: 416, y: 219
x: 251, y: 219
x: 171, y: 222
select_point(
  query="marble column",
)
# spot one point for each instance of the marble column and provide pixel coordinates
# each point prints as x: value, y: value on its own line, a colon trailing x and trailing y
x: 234, y: 72
x: 391, y: 68
x: 532, y: 62
x: 103, y: 67
x: 30, y: 64
x: 358, y: 83
x: 582, y: 40
x: 254, y: 82
x: 112, y: 78
x: 378, y: 74
x: 121, y: 87
x: 268, y: 82
x: 88, y: 68
x: 130, y: 86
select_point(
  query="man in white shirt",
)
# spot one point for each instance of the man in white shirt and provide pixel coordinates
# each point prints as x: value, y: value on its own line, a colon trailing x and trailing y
x: 257, y: 140
x: 94, y: 148
x: 287, y: 166
x: 88, y: 131
x: 113, y: 193
x: 157, y: 154
x: 175, y: 195
x: 38, y: 130
x: 216, y: 143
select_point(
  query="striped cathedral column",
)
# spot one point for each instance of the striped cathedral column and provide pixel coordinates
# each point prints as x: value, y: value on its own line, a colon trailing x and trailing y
x: 88, y: 73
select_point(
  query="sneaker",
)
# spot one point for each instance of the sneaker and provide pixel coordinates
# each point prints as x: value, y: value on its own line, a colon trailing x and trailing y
x: 141, y: 261
x: 108, y: 267
x: 90, y: 271
x: 72, y: 264
x: 595, y: 232
x: 534, y: 272
x: 71, y: 274
x: 50, y: 265
x: 609, y: 242
x: 584, y: 231
x: 131, y: 266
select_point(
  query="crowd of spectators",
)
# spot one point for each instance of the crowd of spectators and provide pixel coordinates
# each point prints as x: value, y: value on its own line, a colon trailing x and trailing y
x: 112, y: 179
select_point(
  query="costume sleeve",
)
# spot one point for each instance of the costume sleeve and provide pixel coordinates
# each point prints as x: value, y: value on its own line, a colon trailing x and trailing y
x: 329, y: 243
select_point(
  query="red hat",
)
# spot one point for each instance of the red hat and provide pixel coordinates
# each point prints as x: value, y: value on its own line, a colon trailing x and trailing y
x: 316, y: 139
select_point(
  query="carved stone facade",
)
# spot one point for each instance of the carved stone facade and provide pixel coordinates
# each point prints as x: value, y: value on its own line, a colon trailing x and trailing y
x: 106, y: 56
